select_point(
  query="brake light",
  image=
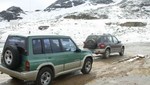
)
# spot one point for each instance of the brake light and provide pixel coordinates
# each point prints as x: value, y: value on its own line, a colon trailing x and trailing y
x: 27, y: 66
x: 101, y: 45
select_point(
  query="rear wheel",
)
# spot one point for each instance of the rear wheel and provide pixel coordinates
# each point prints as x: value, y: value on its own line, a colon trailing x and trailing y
x: 106, y: 54
x: 11, y: 57
x: 121, y: 53
x: 45, y: 77
x: 87, y: 66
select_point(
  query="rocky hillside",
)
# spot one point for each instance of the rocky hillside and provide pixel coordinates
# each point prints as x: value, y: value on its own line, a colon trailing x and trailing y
x: 126, y: 9
x: 72, y: 3
x: 11, y: 13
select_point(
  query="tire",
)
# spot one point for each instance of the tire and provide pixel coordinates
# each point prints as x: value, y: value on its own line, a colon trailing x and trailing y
x: 87, y: 66
x: 91, y: 44
x: 14, y: 78
x: 106, y: 54
x: 45, y: 76
x: 122, y: 52
x: 11, y: 57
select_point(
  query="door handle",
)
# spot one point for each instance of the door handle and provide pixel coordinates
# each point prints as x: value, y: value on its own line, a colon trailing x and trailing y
x: 49, y: 57
x: 76, y: 60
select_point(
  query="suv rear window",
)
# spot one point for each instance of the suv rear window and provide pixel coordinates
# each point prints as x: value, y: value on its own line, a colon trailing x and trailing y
x: 17, y: 41
x: 92, y: 37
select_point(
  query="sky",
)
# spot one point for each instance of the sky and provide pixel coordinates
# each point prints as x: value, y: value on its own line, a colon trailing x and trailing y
x: 26, y: 5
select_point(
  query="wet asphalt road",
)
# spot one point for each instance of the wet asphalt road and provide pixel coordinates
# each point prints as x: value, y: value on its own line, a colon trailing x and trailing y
x: 76, y: 78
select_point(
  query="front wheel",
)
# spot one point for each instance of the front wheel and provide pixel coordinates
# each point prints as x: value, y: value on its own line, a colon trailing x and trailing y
x: 87, y: 66
x: 45, y: 77
x: 14, y: 78
x: 121, y: 53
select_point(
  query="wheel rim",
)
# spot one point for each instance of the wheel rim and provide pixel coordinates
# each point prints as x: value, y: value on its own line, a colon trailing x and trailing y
x: 88, y: 66
x: 107, y: 53
x: 45, y: 78
x: 8, y: 57
x: 122, y: 51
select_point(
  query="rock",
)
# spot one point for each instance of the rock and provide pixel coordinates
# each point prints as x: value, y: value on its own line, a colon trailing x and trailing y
x: 135, y: 9
x: 103, y: 16
x: 12, y: 13
x: 16, y: 10
x: 102, y: 1
x: 86, y: 16
x: 133, y: 24
x: 81, y: 16
x: 37, y: 10
x: 145, y: 3
x: 64, y: 4
x: 43, y: 27
x: 72, y: 3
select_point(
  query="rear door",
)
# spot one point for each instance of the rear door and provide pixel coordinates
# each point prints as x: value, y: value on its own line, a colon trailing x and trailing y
x: 111, y: 44
x: 37, y: 55
x: 72, y: 58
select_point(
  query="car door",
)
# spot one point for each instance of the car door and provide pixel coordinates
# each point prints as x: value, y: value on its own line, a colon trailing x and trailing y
x: 72, y: 58
x: 53, y: 52
x: 117, y: 44
x: 36, y: 53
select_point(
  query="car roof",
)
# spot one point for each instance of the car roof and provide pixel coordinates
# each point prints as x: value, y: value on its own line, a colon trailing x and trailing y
x: 42, y: 36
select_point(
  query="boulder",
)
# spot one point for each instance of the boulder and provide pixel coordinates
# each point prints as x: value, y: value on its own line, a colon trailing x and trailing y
x: 133, y: 24
x: 11, y: 13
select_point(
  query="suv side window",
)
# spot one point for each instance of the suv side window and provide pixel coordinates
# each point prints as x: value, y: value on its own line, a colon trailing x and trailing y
x: 110, y: 39
x: 47, y: 46
x: 55, y: 45
x: 68, y: 45
x: 115, y: 40
x: 103, y: 39
x: 37, y: 46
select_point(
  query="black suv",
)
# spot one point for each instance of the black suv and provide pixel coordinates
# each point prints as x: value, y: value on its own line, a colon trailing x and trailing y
x: 104, y: 44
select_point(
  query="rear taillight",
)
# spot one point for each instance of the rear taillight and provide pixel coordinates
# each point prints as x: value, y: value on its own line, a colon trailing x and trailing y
x: 101, y: 45
x: 27, y: 66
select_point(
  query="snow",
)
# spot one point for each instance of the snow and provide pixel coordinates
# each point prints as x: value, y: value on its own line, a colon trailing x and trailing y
x: 77, y: 29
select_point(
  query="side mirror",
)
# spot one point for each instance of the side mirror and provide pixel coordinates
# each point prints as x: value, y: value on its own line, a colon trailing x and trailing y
x: 78, y: 50
x: 119, y: 41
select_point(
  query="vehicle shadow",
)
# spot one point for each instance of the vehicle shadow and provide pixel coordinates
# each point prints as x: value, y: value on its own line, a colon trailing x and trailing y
x: 111, y: 59
x: 74, y: 78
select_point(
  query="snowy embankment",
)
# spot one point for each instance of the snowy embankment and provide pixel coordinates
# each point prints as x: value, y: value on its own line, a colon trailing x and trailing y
x: 80, y: 29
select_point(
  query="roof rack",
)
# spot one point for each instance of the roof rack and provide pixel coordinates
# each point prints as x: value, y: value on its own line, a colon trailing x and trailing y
x: 106, y: 34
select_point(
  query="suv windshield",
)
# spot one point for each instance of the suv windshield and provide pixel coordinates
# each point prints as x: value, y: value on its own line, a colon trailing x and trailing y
x: 15, y: 40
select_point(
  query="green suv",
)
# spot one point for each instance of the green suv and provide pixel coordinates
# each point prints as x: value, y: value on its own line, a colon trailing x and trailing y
x: 42, y: 58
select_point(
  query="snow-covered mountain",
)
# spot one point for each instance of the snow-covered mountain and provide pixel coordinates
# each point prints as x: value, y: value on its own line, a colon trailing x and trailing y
x: 125, y: 9
x: 11, y: 13
x: 72, y: 3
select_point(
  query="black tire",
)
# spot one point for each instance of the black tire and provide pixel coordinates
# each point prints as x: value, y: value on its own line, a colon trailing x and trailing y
x: 91, y: 44
x: 87, y: 66
x: 121, y: 53
x: 14, y: 78
x: 11, y: 57
x: 106, y: 54
x: 43, y: 75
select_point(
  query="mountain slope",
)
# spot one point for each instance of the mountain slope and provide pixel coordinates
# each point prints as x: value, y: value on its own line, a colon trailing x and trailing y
x: 72, y: 3
x: 126, y: 9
